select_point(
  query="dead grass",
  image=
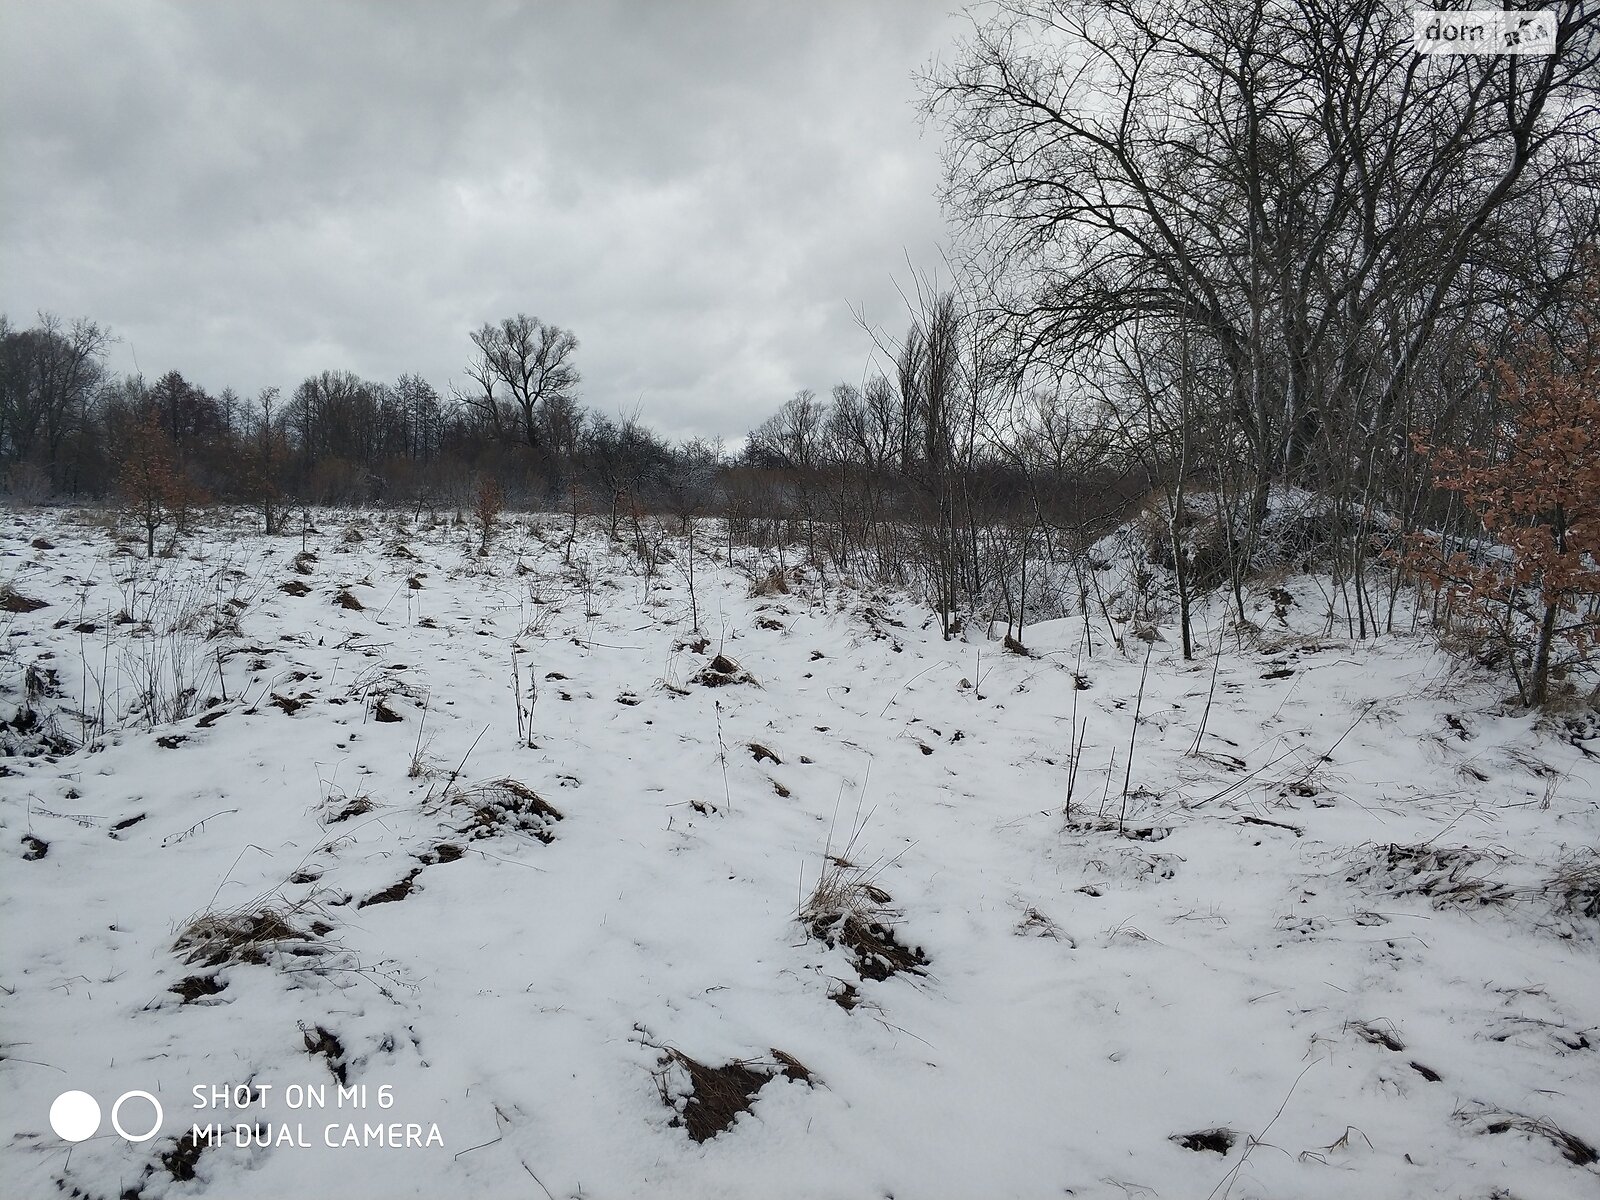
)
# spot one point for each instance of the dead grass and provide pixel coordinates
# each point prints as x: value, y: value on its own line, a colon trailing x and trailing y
x: 13, y: 601
x: 1448, y: 876
x: 1490, y: 1120
x: 877, y: 952
x: 249, y: 935
x: 395, y: 892
x: 506, y: 806
x: 720, y: 672
x: 1218, y: 1141
x: 198, y: 987
x: 295, y: 588
x: 847, y: 908
x: 347, y: 600
x: 319, y: 1040
x: 181, y: 1159
x: 1575, y: 884
x: 340, y: 807
x: 715, y: 1096
x: 774, y: 583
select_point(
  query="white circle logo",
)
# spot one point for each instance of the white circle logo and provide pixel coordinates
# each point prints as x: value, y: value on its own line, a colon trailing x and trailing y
x: 75, y: 1116
x: 116, y: 1111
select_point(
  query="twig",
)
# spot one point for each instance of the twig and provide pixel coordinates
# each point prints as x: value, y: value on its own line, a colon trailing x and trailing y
x: 479, y: 1146
x: 456, y: 774
x: 722, y: 757
x: 1324, y: 756
x: 1205, y: 713
x: 536, y: 1179
x: 1138, y: 707
x: 1254, y: 1140
x: 912, y: 680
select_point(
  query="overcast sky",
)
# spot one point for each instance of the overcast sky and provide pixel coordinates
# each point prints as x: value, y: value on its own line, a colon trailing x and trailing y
x: 253, y: 192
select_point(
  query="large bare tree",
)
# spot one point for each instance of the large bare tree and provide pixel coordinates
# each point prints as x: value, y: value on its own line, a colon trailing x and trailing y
x: 522, y: 364
x: 1286, y: 180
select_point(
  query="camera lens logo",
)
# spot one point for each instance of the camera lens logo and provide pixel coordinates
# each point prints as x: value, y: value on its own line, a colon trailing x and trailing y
x: 75, y: 1116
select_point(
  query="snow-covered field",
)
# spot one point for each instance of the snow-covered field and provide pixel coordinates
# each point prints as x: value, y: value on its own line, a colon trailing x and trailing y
x: 1349, y: 947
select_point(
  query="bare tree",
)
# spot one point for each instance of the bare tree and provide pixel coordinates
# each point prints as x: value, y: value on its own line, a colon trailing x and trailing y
x: 1286, y: 180
x: 522, y: 364
x: 149, y: 481
x: 488, y: 501
x: 48, y: 376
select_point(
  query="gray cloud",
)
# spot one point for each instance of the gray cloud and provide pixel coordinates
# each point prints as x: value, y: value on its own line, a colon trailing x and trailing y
x: 253, y: 192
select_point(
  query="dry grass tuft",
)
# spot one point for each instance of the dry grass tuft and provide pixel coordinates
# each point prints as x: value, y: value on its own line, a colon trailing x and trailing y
x: 715, y: 1096
x: 198, y: 987
x: 1489, y: 1120
x: 295, y: 588
x: 1449, y: 876
x: 248, y: 935
x: 340, y: 807
x: 181, y: 1159
x: 396, y: 891
x: 13, y: 601
x: 1218, y: 1141
x: 506, y: 805
x: 720, y: 672
x: 846, y: 907
x: 319, y: 1040
x: 1575, y: 884
x: 346, y: 599
x: 774, y: 583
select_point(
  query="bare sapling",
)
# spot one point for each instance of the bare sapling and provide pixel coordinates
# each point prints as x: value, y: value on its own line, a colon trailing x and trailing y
x: 488, y: 502
x: 1133, y: 734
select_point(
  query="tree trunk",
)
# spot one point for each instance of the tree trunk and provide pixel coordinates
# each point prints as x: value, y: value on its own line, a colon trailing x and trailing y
x: 1538, y: 686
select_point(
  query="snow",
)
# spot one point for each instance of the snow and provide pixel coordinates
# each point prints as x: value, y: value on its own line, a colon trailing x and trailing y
x: 1239, y: 950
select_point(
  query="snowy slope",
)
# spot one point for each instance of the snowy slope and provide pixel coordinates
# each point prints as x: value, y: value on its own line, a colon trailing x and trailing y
x: 1328, y: 943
